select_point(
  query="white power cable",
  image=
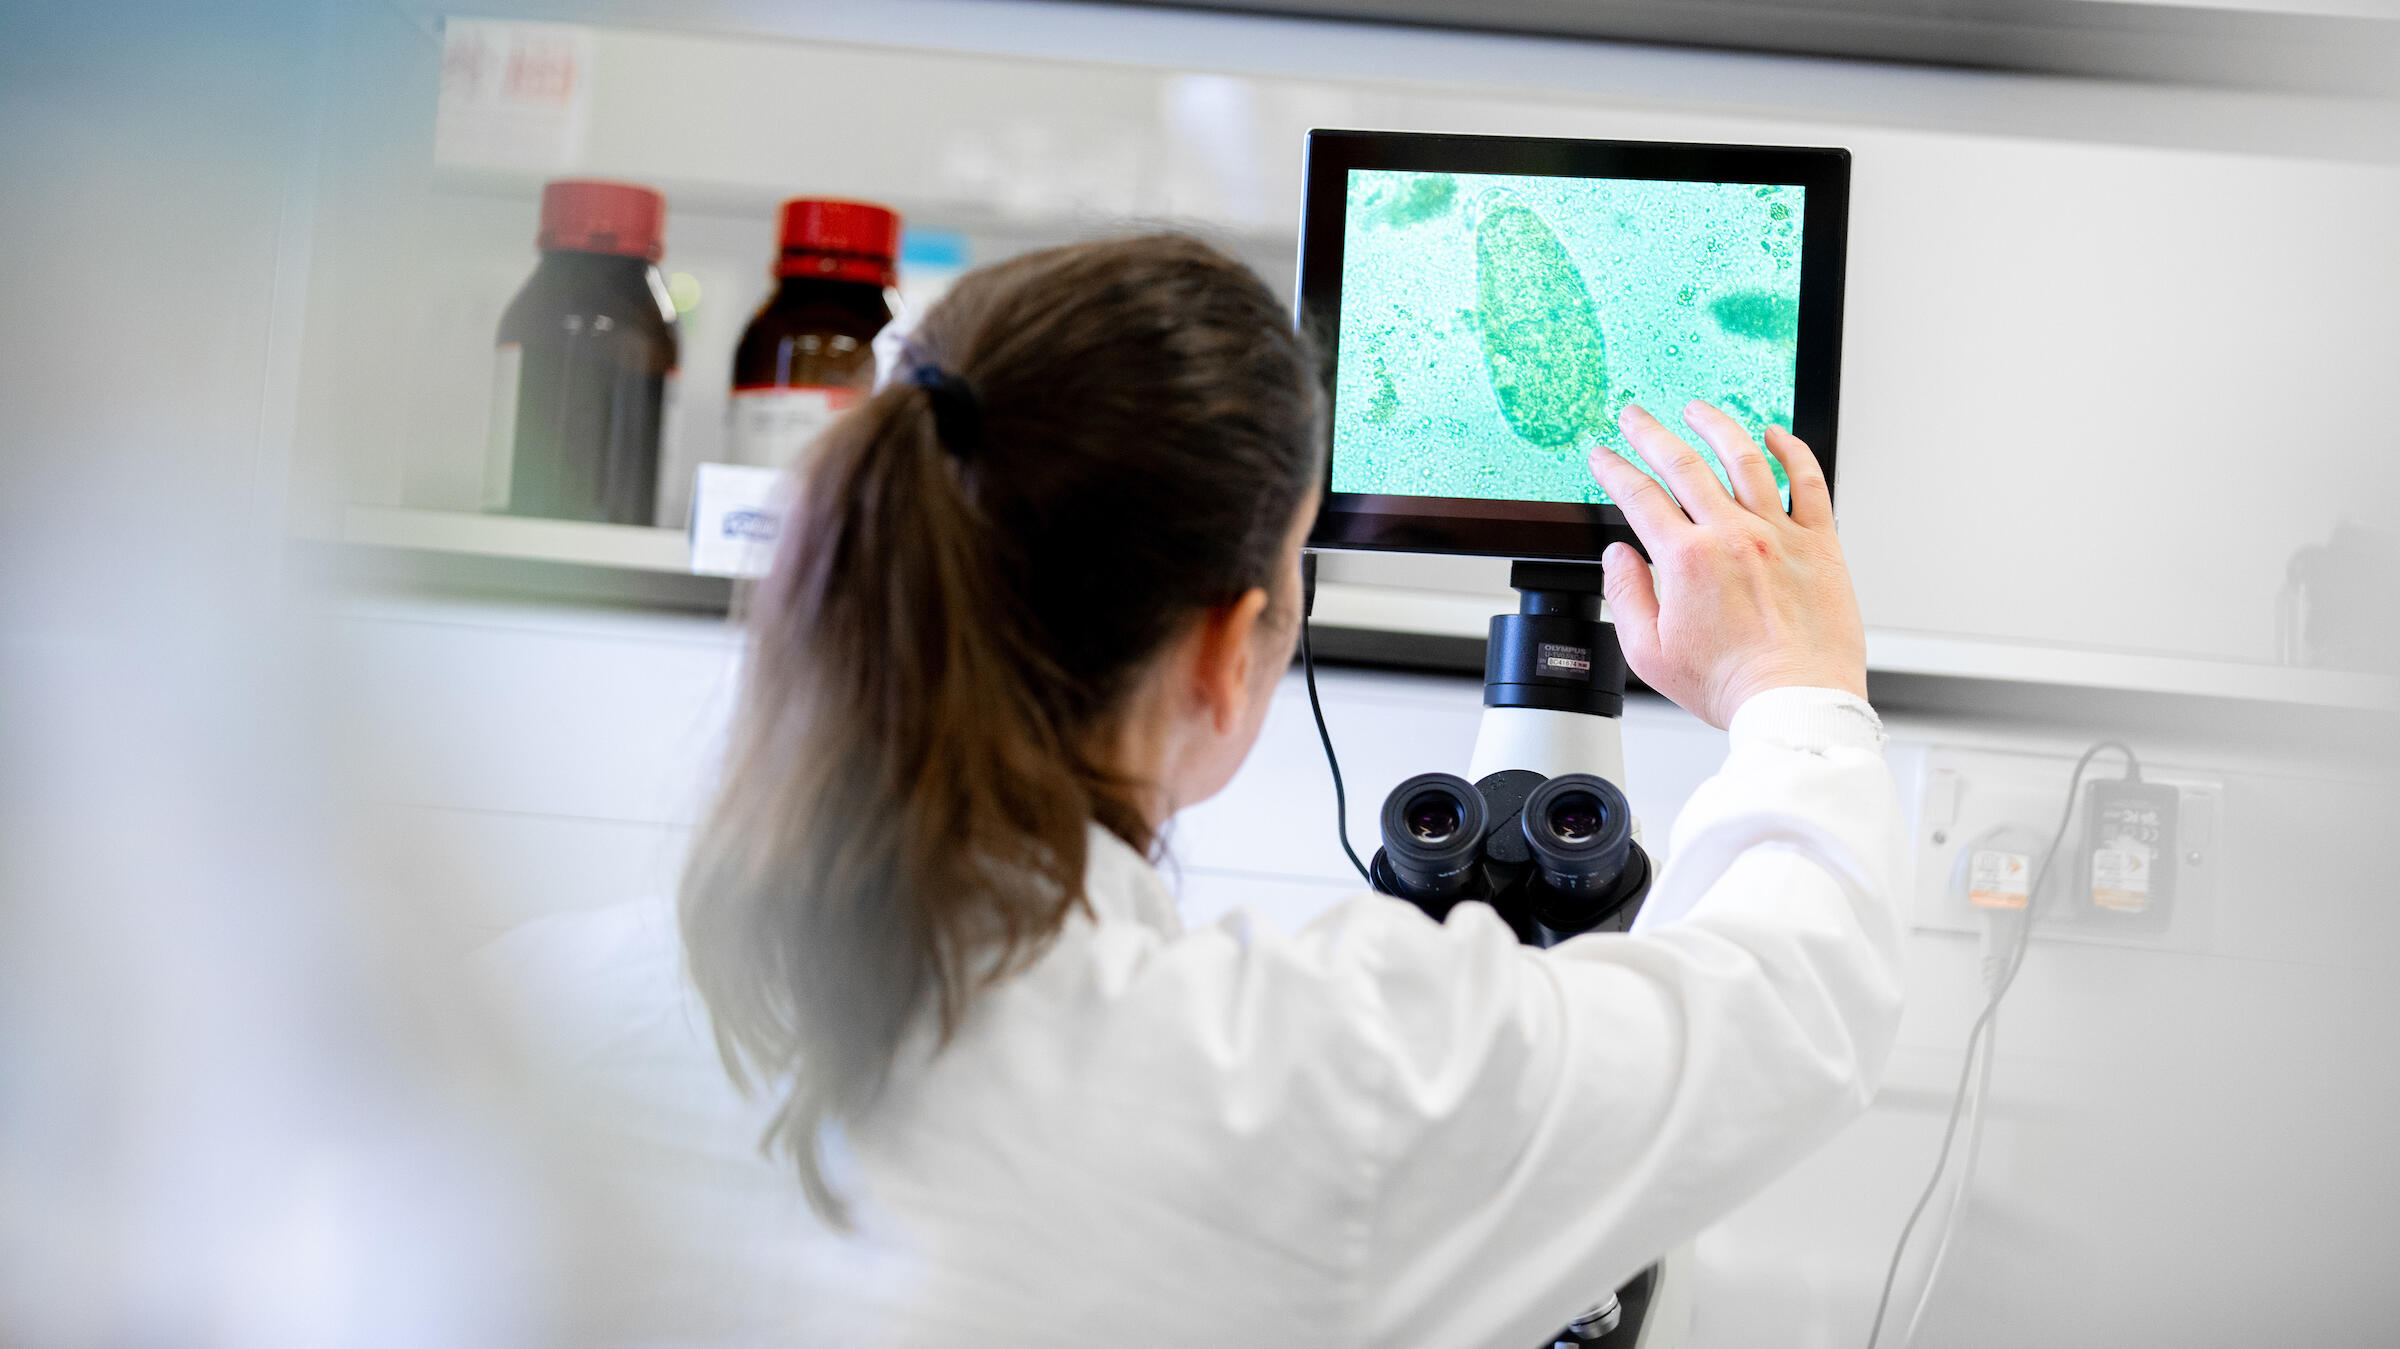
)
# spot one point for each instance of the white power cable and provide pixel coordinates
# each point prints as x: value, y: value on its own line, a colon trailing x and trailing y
x: 1995, y: 968
x: 1966, y: 1180
x: 1978, y: 1035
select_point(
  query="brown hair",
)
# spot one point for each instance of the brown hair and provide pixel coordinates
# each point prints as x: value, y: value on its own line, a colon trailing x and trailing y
x: 958, y: 611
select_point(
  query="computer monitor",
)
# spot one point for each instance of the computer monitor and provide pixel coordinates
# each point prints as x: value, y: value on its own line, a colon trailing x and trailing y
x: 1488, y: 304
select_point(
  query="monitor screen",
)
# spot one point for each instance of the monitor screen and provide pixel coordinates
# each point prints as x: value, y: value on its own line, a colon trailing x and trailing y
x: 1486, y: 327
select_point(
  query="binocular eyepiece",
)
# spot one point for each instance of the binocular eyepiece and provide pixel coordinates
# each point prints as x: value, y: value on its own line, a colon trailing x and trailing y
x: 1433, y: 828
x: 1581, y: 830
x: 1557, y: 852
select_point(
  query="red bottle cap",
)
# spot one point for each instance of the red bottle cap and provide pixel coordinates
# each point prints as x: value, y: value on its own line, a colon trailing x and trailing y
x: 591, y: 215
x: 839, y: 240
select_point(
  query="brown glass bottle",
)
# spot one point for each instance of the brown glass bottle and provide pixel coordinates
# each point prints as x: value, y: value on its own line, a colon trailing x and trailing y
x: 809, y: 352
x: 586, y: 362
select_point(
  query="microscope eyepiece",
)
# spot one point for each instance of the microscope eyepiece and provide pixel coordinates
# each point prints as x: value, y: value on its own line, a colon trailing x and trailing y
x: 1575, y: 816
x: 1555, y: 857
x: 1433, y: 827
x: 1432, y: 817
x: 1581, y: 832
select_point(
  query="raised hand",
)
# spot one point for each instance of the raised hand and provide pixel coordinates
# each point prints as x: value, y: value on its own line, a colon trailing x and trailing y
x: 1737, y: 597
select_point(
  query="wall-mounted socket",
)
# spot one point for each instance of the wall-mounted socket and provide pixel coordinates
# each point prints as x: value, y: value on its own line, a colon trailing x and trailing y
x: 1983, y: 817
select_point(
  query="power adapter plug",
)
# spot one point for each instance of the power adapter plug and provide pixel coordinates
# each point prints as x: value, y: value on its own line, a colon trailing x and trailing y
x: 2128, y: 858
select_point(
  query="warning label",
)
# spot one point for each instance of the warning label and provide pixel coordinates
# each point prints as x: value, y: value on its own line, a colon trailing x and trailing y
x: 1999, y: 880
x: 2121, y: 876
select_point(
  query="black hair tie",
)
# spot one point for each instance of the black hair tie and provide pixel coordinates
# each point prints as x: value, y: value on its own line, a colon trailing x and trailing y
x: 957, y: 412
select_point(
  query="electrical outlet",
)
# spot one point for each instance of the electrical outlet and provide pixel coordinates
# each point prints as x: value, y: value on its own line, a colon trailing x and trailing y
x: 2007, y: 806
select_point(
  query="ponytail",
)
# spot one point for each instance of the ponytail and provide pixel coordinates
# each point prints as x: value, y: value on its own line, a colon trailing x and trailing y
x: 958, y: 605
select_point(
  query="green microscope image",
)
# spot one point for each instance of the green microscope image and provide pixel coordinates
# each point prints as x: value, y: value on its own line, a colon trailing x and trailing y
x: 1541, y: 334
x: 1492, y: 327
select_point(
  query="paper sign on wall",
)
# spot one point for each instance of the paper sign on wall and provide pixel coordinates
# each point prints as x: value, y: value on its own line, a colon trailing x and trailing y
x: 514, y: 95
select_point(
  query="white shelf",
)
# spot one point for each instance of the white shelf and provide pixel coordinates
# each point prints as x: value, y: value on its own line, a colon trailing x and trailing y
x: 1437, y: 613
x: 1902, y: 652
x: 1454, y: 614
x: 1430, y: 613
x: 627, y: 547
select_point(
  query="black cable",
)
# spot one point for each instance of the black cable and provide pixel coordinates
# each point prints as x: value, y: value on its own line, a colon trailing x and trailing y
x: 1308, y: 673
x: 1975, y: 1036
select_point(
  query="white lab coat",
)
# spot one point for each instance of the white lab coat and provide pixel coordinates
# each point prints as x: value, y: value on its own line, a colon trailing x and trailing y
x: 1380, y: 1131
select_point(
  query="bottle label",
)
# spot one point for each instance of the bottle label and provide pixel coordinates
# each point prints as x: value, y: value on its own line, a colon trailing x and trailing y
x: 500, y: 433
x: 738, y: 513
x: 773, y: 428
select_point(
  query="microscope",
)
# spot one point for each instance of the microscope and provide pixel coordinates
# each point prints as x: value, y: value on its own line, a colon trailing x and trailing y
x: 1542, y: 833
x: 1485, y: 306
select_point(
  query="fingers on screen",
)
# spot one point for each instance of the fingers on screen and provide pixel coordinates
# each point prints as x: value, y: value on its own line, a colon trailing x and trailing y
x: 1686, y: 473
x: 1648, y: 507
x: 1812, y: 500
x: 1753, y: 482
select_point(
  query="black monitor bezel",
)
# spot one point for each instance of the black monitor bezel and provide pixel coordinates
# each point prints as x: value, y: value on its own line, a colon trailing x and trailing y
x: 1542, y: 529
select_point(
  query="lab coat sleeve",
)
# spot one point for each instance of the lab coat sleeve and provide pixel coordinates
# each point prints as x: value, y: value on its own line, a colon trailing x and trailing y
x: 1555, y: 1120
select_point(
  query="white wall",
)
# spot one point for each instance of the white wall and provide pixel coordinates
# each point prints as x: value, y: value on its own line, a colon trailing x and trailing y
x: 2167, y: 1125
x: 2112, y: 353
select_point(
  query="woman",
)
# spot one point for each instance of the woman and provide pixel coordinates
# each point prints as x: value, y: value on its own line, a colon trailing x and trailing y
x: 1038, y: 595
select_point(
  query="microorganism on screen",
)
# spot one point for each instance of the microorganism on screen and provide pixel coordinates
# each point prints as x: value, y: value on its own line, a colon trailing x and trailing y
x: 1492, y: 327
